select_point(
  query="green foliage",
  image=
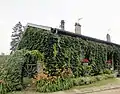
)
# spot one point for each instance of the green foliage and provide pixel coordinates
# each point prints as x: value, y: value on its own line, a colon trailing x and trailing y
x: 59, y: 84
x: 31, y: 59
x: 3, y: 88
x: 30, y: 64
x: 16, y: 36
x: 52, y: 86
x: 15, y: 68
x: 107, y: 71
x: 89, y: 80
x: 12, y: 72
x: 40, y: 56
x: 2, y: 63
x: 86, y: 70
x: 3, y: 58
x: 55, y: 50
x: 62, y: 51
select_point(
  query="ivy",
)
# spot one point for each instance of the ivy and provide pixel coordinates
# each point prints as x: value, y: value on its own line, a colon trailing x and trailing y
x: 63, y: 51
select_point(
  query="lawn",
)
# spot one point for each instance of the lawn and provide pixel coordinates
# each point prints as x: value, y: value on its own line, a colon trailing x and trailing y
x: 113, y: 81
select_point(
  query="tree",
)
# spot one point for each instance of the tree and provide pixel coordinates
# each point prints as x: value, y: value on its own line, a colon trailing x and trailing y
x: 2, y: 53
x: 16, y: 36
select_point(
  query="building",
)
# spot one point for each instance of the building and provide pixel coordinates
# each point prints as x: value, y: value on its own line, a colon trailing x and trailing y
x: 64, y: 47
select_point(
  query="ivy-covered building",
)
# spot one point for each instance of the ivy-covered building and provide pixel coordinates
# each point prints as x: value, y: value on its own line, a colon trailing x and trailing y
x: 64, y: 49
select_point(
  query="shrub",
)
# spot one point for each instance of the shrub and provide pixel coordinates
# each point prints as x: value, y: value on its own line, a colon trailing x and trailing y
x: 2, y: 88
x: 12, y: 72
x: 15, y: 68
x: 107, y: 71
x: 99, y: 77
x: 3, y: 59
x: 45, y: 85
x: 93, y: 79
x: 51, y: 86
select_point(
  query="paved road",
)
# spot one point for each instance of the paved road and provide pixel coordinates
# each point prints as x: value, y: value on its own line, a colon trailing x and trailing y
x: 114, y: 91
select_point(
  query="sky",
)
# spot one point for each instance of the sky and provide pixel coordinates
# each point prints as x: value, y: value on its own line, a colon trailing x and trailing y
x: 98, y: 16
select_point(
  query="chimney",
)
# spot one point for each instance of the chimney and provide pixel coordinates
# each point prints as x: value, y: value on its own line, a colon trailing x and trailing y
x: 77, y: 28
x: 108, y: 38
x: 62, y: 26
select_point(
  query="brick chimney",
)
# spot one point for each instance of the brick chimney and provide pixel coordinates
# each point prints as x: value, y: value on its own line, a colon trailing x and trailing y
x: 77, y: 28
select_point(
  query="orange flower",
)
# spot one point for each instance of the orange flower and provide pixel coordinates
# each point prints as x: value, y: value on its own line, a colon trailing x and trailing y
x: 1, y: 81
x: 40, y: 76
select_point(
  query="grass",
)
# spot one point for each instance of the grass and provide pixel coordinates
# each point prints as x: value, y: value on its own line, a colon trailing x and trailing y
x: 113, y: 81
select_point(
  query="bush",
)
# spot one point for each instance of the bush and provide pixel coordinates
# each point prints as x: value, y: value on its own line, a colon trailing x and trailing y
x: 99, y: 77
x: 12, y: 72
x: 3, y: 58
x: 45, y: 85
x: 52, y: 86
x: 2, y: 88
x: 107, y: 71
x: 15, y: 68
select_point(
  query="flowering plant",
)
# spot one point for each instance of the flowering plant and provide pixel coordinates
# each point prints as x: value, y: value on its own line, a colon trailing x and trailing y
x: 1, y: 81
x: 109, y: 61
x: 85, y: 60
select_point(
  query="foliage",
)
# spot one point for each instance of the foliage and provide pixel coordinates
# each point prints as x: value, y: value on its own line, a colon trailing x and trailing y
x: 107, y: 71
x: 2, y: 63
x: 52, y: 86
x: 16, y: 36
x: 3, y: 58
x: 86, y: 70
x: 62, y: 51
x: 92, y: 79
x: 2, y: 88
x: 30, y: 64
x: 45, y: 85
x: 13, y: 71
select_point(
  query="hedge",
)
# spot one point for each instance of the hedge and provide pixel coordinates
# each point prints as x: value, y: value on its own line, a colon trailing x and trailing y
x: 14, y: 69
x: 62, y: 51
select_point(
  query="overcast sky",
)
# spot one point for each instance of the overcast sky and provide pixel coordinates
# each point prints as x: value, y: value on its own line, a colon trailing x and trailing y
x: 98, y: 17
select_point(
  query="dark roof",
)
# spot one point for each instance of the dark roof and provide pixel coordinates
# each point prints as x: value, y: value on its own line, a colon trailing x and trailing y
x: 59, y: 31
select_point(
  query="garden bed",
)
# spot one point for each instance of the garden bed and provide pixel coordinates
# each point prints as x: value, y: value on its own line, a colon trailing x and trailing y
x: 65, y: 84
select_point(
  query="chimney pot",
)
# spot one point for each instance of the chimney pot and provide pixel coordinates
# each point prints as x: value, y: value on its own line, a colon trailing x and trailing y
x: 62, y: 25
x: 77, y: 28
x: 108, y: 38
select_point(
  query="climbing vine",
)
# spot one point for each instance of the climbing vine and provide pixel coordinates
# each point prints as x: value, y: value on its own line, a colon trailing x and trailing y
x: 63, y: 51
